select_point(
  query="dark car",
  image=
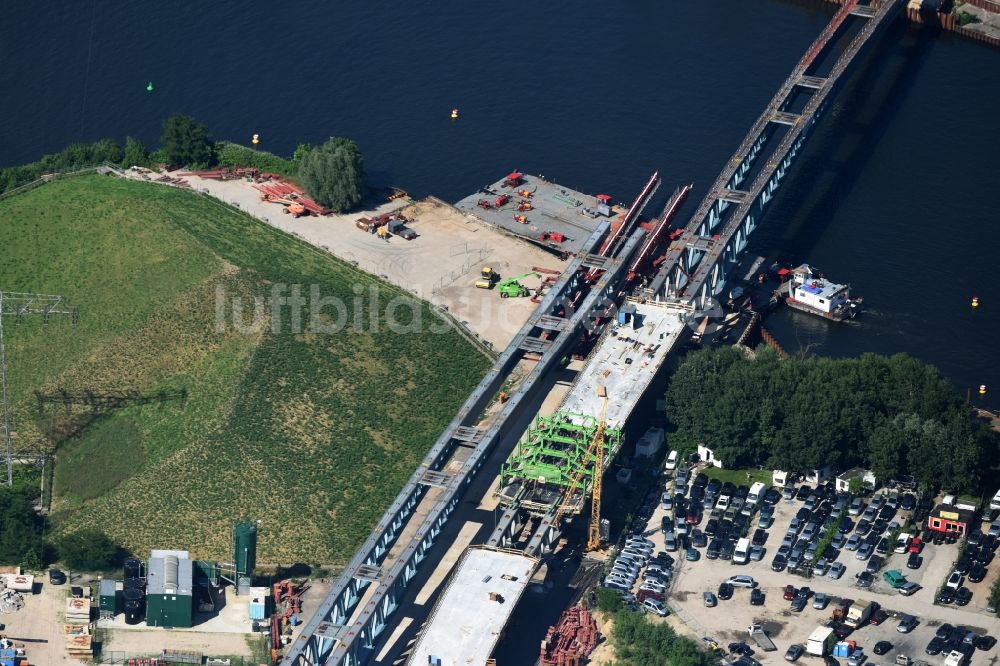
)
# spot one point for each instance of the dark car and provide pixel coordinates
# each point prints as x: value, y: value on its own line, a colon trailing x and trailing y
x: 963, y: 596
x: 798, y: 603
x: 779, y: 563
x: 803, y: 514
x: 756, y: 597
x: 772, y: 496
x: 882, y: 647
x: 842, y: 631
x: 713, y: 550
x: 878, y: 617
x: 759, y: 537
x: 874, y: 564
x: 946, y: 596
x: 56, y: 577
x: 985, y: 642
x: 934, y: 647
x: 908, y: 502
x: 914, y: 561
x: 977, y: 573
x: 803, y: 493
x: 863, y: 527
x: 846, y: 525
x: 700, y: 480
x: 713, y: 487
x: 712, y: 526
x: 983, y: 556
x: 944, y: 632
x: 882, y: 547
x: 864, y: 579
x: 725, y: 591
x: 699, y: 539
x: 964, y: 563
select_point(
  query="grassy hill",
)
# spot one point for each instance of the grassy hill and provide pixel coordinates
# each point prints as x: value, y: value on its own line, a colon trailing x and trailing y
x: 313, y: 433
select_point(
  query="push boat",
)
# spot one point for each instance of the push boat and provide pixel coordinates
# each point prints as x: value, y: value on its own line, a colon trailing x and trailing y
x: 807, y: 290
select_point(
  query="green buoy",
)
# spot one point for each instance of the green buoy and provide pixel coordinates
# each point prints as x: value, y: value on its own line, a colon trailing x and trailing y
x: 149, y: 87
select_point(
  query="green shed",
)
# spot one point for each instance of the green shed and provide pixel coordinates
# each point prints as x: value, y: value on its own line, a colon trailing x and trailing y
x: 169, y: 589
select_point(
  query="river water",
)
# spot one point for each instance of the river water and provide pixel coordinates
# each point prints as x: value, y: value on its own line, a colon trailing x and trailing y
x: 895, y: 192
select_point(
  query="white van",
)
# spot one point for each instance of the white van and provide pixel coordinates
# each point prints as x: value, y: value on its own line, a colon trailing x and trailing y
x: 995, y: 502
x: 671, y: 464
x: 756, y: 493
x: 902, y: 541
x: 742, y: 553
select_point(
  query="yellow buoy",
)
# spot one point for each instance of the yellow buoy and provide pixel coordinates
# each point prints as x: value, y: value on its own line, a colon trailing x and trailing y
x: 256, y: 139
x: 982, y: 389
x: 975, y: 301
x: 454, y: 114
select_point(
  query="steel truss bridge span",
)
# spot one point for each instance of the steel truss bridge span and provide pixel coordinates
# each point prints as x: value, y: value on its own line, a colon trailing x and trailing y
x: 697, y: 264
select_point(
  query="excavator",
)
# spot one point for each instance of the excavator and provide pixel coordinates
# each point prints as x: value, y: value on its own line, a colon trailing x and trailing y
x: 511, y: 288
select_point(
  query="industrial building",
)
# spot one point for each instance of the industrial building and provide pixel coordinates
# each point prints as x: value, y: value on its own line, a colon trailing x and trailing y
x: 170, y: 589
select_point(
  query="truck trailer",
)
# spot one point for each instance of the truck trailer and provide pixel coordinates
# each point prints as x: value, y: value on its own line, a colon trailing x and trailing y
x: 820, y: 641
x: 858, y: 614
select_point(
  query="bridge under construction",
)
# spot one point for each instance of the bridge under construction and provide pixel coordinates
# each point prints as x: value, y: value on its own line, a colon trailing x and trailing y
x: 635, y: 328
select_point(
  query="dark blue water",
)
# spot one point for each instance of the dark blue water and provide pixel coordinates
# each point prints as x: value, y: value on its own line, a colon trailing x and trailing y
x: 893, y: 195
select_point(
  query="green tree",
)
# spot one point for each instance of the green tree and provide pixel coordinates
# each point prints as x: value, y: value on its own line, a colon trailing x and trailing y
x: 135, y: 153
x: 21, y: 528
x: 334, y: 174
x: 855, y: 485
x: 87, y: 549
x: 608, y: 600
x: 186, y: 141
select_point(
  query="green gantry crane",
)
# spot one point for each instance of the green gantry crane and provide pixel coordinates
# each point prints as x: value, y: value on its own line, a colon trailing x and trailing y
x: 511, y: 288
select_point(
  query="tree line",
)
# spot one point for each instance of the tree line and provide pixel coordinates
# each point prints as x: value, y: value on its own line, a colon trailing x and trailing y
x: 332, y: 173
x: 24, y: 538
x: 894, y: 415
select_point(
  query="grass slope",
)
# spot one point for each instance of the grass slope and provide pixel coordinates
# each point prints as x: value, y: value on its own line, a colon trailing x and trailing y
x: 312, y: 433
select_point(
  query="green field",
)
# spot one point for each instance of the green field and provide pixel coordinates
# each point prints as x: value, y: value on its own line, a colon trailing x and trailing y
x: 312, y: 433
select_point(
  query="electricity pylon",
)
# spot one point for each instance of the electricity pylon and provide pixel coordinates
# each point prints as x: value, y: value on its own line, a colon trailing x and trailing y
x: 20, y: 305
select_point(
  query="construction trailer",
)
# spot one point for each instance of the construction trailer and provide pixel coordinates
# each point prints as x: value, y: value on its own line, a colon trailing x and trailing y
x: 170, y: 589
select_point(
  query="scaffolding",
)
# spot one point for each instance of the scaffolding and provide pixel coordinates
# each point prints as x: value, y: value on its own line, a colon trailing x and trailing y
x: 548, y: 458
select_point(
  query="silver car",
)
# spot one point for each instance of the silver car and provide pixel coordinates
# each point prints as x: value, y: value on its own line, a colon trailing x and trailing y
x: 837, y: 570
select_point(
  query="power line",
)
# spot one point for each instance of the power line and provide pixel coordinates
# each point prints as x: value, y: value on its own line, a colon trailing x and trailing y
x: 17, y: 305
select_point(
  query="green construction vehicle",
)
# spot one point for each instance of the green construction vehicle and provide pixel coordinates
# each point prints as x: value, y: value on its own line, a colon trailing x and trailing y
x: 511, y: 288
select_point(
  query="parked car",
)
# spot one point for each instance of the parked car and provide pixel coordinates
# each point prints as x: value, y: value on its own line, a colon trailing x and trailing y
x: 779, y: 563
x: 963, y: 596
x: 934, y: 647
x: 874, y: 564
x: 914, y: 561
x: 864, y: 580
x: 742, y: 581
x: 56, y: 577
x: 655, y: 606
x: 790, y: 592
x: 756, y: 597
x: 853, y: 543
x: 794, y: 652
x: 907, y: 623
x: 857, y: 658
x: 864, y: 552
x: 692, y: 555
x: 837, y: 570
x: 977, y: 573
x: 709, y: 599
x: 955, y: 580
x: 821, y: 567
x: 820, y: 601
x: 725, y: 591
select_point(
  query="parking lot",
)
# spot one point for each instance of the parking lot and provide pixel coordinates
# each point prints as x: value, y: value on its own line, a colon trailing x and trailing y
x: 728, y: 621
